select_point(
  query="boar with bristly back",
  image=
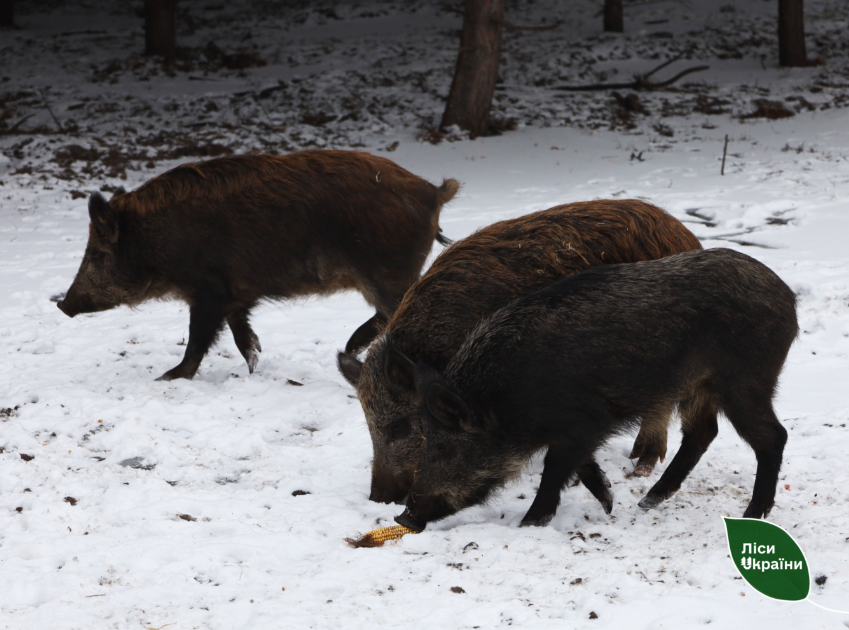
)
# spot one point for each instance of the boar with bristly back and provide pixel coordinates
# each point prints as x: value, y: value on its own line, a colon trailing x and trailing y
x: 565, y: 369
x: 477, y: 276
x: 227, y: 233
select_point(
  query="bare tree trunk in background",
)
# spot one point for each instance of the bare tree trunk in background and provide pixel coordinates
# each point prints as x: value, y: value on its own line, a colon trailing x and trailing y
x: 159, y: 30
x: 7, y: 16
x: 791, y: 33
x: 613, y: 20
x: 471, y: 93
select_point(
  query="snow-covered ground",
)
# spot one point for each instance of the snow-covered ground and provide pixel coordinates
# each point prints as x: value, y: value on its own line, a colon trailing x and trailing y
x: 223, y: 502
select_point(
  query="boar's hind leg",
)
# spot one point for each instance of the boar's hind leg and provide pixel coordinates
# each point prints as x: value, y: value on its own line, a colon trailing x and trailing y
x: 755, y: 421
x: 366, y: 333
x: 699, y: 428
x: 205, y: 320
x: 650, y: 445
x: 246, y: 340
x: 594, y: 480
x: 555, y: 474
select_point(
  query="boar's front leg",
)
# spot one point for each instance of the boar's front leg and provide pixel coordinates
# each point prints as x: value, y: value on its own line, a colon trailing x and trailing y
x: 245, y: 337
x: 555, y: 474
x: 205, y: 321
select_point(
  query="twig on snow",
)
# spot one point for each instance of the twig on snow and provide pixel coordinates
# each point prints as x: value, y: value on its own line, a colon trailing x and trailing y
x: 640, y: 81
x: 515, y: 27
x: 88, y: 32
x: 52, y: 115
x: 19, y: 123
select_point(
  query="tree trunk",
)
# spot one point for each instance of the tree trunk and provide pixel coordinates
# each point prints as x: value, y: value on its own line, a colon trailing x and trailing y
x: 791, y: 33
x: 7, y: 16
x: 159, y: 29
x: 471, y: 93
x: 613, y: 20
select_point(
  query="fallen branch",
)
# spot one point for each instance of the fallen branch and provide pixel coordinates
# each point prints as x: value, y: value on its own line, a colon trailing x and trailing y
x: 88, y: 32
x: 640, y: 82
x: 19, y: 123
x: 40, y: 131
x: 52, y: 115
x: 514, y: 27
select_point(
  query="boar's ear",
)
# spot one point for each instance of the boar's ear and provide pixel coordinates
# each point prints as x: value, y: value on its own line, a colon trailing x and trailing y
x: 119, y: 191
x: 103, y: 218
x: 450, y: 410
x: 350, y: 366
x: 399, y: 370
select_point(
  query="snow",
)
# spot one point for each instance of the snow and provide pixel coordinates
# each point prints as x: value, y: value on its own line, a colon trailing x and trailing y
x: 147, y: 503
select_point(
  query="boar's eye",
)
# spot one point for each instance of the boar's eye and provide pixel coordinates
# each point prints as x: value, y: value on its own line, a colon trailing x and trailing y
x: 398, y: 430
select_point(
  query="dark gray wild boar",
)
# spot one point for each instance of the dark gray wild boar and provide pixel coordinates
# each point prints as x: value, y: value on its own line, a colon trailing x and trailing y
x: 225, y: 234
x: 477, y: 276
x: 572, y: 365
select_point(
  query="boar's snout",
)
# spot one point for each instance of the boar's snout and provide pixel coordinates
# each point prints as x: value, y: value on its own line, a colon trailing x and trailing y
x: 67, y: 308
x: 64, y: 309
x: 76, y: 303
x: 422, y: 510
x: 406, y: 519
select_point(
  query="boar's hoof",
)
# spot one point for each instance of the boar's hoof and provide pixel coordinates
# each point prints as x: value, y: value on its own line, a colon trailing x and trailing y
x: 176, y: 373
x: 757, y: 511
x: 253, y: 345
x: 252, y: 360
x: 651, y: 500
x: 250, y: 350
x: 643, y: 469
x: 530, y: 521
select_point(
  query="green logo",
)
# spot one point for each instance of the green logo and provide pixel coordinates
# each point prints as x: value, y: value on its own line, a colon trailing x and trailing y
x: 768, y: 559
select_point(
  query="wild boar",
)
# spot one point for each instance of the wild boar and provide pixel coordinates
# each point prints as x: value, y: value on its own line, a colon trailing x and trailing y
x: 227, y: 233
x: 477, y: 276
x: 568, y: 367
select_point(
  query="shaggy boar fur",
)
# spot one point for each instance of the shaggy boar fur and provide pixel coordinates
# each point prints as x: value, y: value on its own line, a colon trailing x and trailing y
x: 570, y: 366
x: 225, y: 234
x: 485, y: 272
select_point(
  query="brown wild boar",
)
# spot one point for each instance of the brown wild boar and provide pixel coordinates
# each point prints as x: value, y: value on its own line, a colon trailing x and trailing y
x: 575, y: 363
x: 480, y: 274
x: 224, y: 234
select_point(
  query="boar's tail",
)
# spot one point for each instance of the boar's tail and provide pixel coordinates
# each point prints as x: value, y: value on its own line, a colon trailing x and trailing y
x: 444, y: 194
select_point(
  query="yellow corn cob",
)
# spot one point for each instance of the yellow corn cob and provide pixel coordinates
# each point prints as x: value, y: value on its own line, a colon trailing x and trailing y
x: 376, y: 537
